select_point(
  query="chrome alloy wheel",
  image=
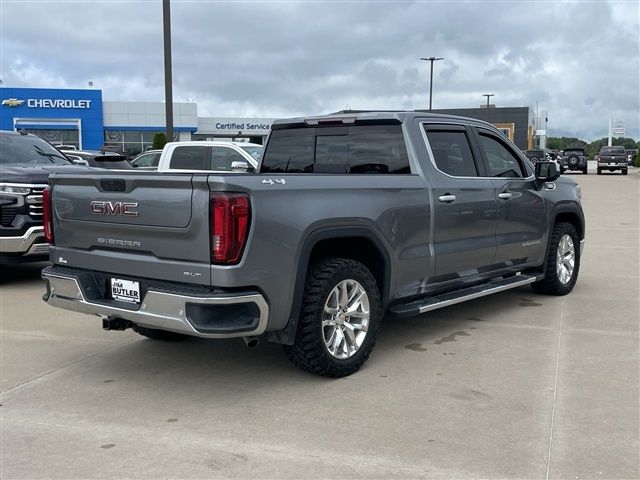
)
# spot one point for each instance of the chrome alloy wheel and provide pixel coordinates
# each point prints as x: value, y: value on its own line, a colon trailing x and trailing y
x: 345, y: 319
x: 565, y: 259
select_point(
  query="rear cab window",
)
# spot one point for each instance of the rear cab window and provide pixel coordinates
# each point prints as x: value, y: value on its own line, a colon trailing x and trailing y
x: 613, y: 150
x: 357, y: 149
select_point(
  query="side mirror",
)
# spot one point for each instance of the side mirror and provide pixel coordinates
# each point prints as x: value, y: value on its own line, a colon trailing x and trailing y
x: 239, y: 167
x: 547, y: 171
x: 78, y: 160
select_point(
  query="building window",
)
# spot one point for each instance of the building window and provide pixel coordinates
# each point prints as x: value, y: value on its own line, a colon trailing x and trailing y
x: 56, y: 137
x: 132, y: 142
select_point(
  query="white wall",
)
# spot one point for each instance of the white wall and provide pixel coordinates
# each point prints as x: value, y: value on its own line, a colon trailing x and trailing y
x: 148, y: 114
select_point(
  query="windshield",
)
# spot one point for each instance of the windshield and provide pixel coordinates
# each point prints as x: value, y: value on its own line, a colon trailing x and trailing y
x: 254, y: 151
x: 570, y: 151
x: 29, y: 150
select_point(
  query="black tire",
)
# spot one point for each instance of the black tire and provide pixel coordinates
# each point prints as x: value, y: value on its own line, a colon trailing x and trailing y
x: 551, y: 284
x: 625, y: 171
x: 561, y: 171
x: 599, y: 171
x: 154, y: 334
x: 308, y: 350
x: 585, y: 171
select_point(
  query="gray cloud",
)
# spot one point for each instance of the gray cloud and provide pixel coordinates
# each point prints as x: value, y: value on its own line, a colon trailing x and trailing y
x: 578, y: 60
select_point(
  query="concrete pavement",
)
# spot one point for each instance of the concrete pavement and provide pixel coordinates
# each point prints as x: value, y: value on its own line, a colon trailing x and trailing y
x: 516, y: 385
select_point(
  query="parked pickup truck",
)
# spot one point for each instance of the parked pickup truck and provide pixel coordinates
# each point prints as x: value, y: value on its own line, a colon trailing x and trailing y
x: 25, y: 163
x: 612, y: 159
x: 352, y: 215
x: 209, y: 156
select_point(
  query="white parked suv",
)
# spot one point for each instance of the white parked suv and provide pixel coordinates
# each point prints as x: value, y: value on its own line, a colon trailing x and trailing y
x: 209, y: 156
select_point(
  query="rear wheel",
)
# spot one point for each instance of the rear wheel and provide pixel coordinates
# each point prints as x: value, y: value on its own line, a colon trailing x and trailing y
x: 625, y: 171
x: 339, y: 320
x: 585, y: 171
x: 599, y: 171
x: 154, y: 334
x: 563, y: 261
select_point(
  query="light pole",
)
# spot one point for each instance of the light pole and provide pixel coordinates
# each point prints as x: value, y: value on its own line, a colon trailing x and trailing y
x: 488, y: 95
x: 168, y: 92
x: 431, y: 59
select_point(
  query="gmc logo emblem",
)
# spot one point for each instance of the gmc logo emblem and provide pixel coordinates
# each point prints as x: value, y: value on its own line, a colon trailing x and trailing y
x: 128, y: 209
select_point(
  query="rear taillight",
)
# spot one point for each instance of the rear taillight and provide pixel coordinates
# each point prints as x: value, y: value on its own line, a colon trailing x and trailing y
x: 230, y: 214
x: 47, y: 215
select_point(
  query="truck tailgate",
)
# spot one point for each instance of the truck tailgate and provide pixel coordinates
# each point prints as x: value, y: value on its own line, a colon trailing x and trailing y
x: 141, y: 224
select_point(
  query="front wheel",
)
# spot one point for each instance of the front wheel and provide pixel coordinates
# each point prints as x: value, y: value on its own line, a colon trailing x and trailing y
x: 599, y: 171
x: 563, y: 261
x: 625, y: 171
x: 340, y: 315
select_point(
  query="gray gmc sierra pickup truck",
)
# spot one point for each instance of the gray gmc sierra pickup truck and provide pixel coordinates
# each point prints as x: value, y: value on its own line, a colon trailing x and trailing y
x: 351, y: 216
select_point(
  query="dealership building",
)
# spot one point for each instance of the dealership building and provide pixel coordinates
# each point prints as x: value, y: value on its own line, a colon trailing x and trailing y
x: 80, y: 117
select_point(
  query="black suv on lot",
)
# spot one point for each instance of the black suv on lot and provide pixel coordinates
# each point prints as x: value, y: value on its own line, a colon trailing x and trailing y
x: 574, y: 158
x: 25, y: 163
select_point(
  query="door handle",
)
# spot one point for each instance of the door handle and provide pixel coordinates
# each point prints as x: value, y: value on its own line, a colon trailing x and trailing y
x: 505, y: 195
x: 448, y: 198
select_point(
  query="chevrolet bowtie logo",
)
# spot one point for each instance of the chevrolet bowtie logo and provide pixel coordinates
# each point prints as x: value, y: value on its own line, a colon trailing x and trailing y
x: 12, y: 102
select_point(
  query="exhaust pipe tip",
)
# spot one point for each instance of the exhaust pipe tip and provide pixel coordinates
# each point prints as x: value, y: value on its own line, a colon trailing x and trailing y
x: 251, y: 342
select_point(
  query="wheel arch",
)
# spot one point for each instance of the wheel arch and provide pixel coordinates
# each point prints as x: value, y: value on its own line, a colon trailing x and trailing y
x: 569, y: 214
x: 360, y: 243
x: 572, y: 217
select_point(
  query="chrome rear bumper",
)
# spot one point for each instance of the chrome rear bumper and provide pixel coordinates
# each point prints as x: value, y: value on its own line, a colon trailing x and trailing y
x: 158, y: 309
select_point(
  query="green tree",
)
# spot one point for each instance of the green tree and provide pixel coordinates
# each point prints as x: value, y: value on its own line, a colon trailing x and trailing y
x: 159, y: 141
x: 560, y: 143
x: 638, y: 159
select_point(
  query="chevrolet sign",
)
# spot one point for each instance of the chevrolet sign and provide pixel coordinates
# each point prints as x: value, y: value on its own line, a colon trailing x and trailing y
x: 48, y: 103
x: 57, y: 103
x: 12, y: 102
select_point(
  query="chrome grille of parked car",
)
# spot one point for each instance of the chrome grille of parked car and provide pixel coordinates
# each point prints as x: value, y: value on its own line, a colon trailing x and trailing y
x: 34, y: 201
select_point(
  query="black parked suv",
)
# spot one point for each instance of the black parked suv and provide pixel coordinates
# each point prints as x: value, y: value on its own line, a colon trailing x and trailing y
x: 25, y: 163
x: 574, y: 158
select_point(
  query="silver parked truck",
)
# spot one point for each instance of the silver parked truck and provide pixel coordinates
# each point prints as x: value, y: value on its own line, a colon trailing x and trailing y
x: 350, y: 217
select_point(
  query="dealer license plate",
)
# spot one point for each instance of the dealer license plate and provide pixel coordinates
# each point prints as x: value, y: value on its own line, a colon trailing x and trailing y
x: 125, y: 290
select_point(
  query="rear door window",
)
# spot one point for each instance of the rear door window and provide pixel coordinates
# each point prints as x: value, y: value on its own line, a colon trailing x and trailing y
x: 452, y: 152
x: 197, y: 157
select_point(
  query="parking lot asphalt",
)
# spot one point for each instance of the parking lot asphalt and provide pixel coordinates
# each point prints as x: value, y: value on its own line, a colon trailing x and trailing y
x: 515, y: 385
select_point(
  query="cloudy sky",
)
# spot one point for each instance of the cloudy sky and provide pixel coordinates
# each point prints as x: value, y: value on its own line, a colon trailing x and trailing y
x: 577, y: 60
